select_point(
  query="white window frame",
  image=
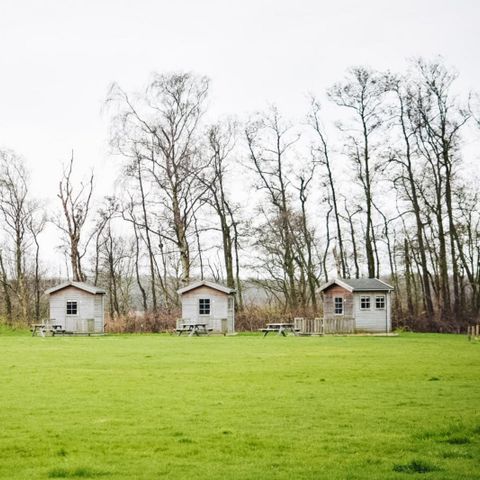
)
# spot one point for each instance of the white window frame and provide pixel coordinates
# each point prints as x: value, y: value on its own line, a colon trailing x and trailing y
x: 200, y: 305
x: 365, y: 298
x: 382, y: 298
x: 335, y: 305
x: 66, y: 308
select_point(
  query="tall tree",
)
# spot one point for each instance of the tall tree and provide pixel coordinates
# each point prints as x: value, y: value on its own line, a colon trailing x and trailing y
x: 160, y: 129
x: 441, y: 119
x: 362, y: 93
x: 405, y: 116
x: 322, y: 155
x: 221, y: 142
x: 17, y: 211
x: 269, y: 141
x: 75, y: 209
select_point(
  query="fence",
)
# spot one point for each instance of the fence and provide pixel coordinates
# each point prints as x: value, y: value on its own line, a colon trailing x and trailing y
x: 85, y: 325
x: 310, y: 326
x: 324, y: 326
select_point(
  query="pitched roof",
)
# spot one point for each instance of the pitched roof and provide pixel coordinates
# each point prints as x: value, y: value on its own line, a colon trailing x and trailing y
x: 359, y: 284
x: 81, y: 285
x: 205, y: 283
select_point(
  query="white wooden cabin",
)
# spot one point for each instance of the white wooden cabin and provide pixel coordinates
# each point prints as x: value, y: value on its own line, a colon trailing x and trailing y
x: 359, y: 305
x: 77, y: 306
x: 210, y: 303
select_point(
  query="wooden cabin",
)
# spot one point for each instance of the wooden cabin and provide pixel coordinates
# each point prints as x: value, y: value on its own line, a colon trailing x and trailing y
x: 210, y: 303
x: 357, y: 305
x: 77, y: 306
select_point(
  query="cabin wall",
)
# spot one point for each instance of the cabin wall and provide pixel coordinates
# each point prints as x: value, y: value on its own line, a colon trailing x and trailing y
x: 372, y: 320
x: 99, y: 312
x: 219, y: 307
x: 329, y: 303
x: 89, y: 306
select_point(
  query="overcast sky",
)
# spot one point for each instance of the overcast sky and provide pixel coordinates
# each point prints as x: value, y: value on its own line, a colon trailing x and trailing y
x: 58, y: 57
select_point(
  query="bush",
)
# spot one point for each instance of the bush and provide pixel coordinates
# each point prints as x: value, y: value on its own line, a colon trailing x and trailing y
x: 143, y: 322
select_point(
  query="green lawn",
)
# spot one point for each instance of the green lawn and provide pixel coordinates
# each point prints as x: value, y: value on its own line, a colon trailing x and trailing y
x: 244, y: 407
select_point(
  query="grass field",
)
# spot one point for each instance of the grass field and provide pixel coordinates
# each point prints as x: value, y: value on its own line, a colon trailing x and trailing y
x: 244, y: 407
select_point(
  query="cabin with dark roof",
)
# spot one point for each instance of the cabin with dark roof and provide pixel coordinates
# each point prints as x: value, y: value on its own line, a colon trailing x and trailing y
x: 362, y: 303
x: 77, y: 306
x: 209, y: 303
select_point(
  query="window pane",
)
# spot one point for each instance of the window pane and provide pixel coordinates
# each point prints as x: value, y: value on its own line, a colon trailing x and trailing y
x: 71, y: 308
x: 338, y: 304
x: 365, y: 303
x: 380, y: 302
x: 204, y: 306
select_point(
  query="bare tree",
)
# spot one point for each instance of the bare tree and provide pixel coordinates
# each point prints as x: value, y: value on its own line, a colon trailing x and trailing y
x: 75, y: 210
x: 160, y: 130
x: 221, y: 142
x: 17, y: 211
x: 269, y: 141
x: 36, y: 225
x: 407, y: 178
x: 322, y: 155
x: 362, y: 93
x: 6, y: 287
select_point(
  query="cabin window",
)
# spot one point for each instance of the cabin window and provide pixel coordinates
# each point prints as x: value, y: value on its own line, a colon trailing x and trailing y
x: 364, y: 303
x: 72, y: 308
x: 338, y: 305
x: 204, y: 306
x: 380, y: 302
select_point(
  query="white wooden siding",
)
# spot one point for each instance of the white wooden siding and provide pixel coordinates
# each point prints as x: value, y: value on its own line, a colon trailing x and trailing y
x: 372, y: 320
x: 89, y: 306
x: 98, y: 315
x: 218, y: 308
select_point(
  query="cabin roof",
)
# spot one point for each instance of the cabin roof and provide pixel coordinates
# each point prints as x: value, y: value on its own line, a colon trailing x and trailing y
x: 205, y: 283
x: 359, y: 284
x: 80, y: 285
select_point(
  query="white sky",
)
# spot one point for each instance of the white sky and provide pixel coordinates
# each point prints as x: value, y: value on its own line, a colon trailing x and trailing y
x: 58, y: 57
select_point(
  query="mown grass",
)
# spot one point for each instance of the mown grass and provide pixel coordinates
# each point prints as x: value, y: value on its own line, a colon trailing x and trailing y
x: 244, y: 407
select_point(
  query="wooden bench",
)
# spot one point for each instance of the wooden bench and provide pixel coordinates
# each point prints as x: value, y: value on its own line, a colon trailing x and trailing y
x: 280, y: 329
x: 193, y: 329
x: 60, y: 331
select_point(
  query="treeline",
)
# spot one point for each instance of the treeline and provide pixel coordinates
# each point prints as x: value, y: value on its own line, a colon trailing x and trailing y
x: 390, y: 190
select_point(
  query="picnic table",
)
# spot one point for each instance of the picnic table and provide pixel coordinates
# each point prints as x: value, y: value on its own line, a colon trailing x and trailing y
x: 43, y: 328
x: 193, y: 329
x: 280, y: 329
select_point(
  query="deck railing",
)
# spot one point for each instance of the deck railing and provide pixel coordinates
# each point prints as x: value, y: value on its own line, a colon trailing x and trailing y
x: 324, y: 326
x: 311, y: 326
x: 85, y: 325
